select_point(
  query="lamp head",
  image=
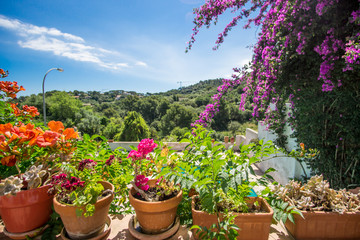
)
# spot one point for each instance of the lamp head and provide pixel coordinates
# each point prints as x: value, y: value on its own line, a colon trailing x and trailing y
x: 60, y: 69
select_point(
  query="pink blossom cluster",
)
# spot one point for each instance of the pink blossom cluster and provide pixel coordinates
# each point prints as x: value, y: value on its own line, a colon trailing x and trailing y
x: 145, y: 147
x: 287, y: 30
x: 141, y: 182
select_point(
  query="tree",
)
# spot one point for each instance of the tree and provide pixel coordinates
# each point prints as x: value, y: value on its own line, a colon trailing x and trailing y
x: 62, y: 107
x: 113, y: 128
x: 89, y: 123
x: 147, y: 107
x: 134, y: 128
x: 234, y: 127
x: 307, y: 54
x: 176, y: 116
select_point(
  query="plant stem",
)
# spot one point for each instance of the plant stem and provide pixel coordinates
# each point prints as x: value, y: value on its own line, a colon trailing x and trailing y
x: 17, y: 167
x: 142, y: 193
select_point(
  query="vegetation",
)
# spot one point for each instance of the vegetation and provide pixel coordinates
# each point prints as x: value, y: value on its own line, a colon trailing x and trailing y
x: 219, y: 177
x: 307, y: 54
x: 166, y: 115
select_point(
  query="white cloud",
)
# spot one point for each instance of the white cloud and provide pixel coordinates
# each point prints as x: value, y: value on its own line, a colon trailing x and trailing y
x: 139, y: 63
x: 64, y: 44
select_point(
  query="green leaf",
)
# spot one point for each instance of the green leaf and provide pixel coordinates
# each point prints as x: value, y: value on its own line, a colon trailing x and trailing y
x: 291, y: 217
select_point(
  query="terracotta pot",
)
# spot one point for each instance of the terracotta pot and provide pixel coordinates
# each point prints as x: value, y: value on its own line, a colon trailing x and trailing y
x: 27, y: 210
x: 85, y: 227
x: 325, y: 225
x: 253, y: 226
x: 155, y: 217
x: 226, y: 139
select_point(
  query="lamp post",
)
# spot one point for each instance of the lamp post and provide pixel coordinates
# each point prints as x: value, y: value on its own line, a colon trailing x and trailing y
x: 43, y: 90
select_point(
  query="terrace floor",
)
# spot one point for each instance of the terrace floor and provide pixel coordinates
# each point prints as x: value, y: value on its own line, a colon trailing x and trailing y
x: 119, y: 231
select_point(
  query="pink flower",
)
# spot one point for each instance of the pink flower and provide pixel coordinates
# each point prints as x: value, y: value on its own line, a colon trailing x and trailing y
x: 135, y: 155
x: 146, y: 146
x: 141, y: 181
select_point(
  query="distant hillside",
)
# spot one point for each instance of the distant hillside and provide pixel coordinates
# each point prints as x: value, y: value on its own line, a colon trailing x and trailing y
x: 167, y: 114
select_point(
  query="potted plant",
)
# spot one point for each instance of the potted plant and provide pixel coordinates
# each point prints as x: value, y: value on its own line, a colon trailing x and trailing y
x: 156, y: 200
x: 82, y: 200
x: 220, y: 178
x: 327, y: 213
x: 24, y: 202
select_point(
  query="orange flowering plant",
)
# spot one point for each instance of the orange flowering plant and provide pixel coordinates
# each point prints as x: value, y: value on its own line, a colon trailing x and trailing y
x: 9, y: 112
x: 22, y: 143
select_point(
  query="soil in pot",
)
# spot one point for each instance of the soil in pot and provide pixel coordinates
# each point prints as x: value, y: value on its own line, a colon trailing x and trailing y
x: 155, y: 191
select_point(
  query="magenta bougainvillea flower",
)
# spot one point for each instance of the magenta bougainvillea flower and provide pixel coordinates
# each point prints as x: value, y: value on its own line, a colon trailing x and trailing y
x: 141, y: 182
x: 289, y: 29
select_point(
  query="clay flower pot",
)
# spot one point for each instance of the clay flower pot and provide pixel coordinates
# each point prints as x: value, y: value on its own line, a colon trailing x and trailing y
x: 253, y: 226
x: 27, y: 210
x: 155, y: 217
x: 85, y: 227
x: 325, y: 225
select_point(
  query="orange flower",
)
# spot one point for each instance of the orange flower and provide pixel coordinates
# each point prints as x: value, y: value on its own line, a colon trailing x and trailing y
x: 32, y: 111
x: 9, y: 160
x: 10, y: 88
x: 302, y: 146
x: 3, y: 73
x: 49, y: 138
x: 5, y: 128
x: 3, y: 144
x: 17, y: 111
x: 56, y: 126
x: 70, y: 133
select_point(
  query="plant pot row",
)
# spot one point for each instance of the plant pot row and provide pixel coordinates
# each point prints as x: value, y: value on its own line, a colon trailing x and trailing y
x: 31, y: 209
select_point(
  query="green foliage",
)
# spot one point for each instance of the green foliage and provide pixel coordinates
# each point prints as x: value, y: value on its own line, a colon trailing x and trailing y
x: 234, y: 127
x: 117, y: 171
x: 62, y: 106
x: 329, y: 126
x: 282, y: 210
x: 224, y: 229
x: 176, y: 116
x: 89, y: 123
x: 134, y: 129
x: 91, y: 112
x: 113, y: 128
x: 218, y: 175
x: 54, y: 228
x: 179, y: 133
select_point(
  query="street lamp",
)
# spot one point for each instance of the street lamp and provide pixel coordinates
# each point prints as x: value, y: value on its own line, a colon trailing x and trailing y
x: 44, y: 108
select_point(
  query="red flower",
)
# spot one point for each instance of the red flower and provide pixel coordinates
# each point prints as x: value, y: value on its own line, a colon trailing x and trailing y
x: 49, y: 138
x: 9, y: 160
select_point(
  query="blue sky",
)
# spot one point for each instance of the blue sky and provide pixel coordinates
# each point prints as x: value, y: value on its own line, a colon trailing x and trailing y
x: 136, y: 45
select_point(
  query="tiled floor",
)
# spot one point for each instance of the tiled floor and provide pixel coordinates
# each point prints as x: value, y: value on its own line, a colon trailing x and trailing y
x: 119, y: 231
